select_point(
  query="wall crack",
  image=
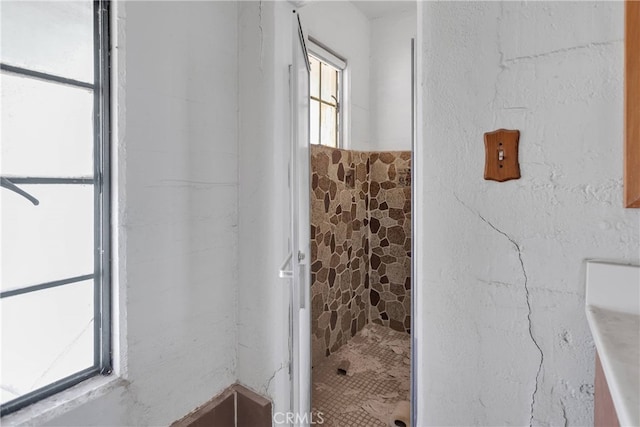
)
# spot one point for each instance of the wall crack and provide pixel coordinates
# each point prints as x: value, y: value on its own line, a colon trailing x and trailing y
x: 527, y: 299
x: 268, y: 384
x: 563, y: 50
x: 564, y: 413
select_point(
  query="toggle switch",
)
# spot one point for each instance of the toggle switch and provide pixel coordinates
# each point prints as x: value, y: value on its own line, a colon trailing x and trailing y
x: 501, y: 155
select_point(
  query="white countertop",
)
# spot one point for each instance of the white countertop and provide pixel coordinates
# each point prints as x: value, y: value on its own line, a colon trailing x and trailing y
x: 613, y: 312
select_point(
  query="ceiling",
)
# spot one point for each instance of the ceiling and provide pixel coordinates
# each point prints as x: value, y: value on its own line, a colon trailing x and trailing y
x: 380, y: 8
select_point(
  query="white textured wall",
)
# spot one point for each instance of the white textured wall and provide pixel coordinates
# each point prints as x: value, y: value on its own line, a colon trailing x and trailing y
x: 176, y: 73
x: 342, y: 27
x: 390, y: 80
x: 503, y: 336
x: 265, y: 52
x: 181, y: 204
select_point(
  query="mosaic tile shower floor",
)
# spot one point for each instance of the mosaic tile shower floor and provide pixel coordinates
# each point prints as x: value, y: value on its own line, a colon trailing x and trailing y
x: 377, y: 379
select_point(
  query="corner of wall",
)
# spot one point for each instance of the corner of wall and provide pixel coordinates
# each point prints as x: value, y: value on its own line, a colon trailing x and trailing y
x: 265, y: 46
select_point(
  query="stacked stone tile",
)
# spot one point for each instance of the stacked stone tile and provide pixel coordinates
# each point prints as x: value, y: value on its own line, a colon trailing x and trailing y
x: 339, y: 298
x: 390, y: 239
x: 360, y: 235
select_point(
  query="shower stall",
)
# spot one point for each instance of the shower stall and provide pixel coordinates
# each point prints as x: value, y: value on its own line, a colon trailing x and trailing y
x: 360, y: 284
x: 360, y: 244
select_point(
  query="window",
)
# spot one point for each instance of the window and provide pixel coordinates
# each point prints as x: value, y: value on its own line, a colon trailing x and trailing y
x: 326, y: 84
x: 54, y: 200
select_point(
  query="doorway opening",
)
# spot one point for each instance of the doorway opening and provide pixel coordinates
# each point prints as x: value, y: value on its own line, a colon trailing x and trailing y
x: 361, y: 216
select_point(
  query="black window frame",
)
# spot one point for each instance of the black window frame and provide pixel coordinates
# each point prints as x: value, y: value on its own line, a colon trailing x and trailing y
x: 102, y: 210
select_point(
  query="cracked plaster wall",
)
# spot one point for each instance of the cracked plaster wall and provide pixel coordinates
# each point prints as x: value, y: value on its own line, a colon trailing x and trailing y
x: 264, y: 53
x: 503, y: 338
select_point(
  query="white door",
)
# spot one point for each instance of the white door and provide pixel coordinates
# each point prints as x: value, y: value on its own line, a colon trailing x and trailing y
x: 300, y: 231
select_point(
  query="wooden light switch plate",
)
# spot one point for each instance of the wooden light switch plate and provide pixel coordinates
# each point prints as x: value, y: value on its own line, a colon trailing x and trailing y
x: 501, y: 155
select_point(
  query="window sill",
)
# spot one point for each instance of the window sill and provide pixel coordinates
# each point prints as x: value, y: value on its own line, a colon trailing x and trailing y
x: 67, y: 400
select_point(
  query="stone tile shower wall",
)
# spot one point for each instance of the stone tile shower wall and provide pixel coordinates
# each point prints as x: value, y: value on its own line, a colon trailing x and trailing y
x: 390, y: 239
x: 339, y: 235
x: 360, y: 238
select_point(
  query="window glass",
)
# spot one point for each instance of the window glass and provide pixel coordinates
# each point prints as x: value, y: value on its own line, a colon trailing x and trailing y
x: 328, y: 127
x: 329, y: 84
x: 47, y: 128
x: 46, y: 336
x: 51, y: 241
x: 54, y: 206
x: 54, y: 37
x: 315, y: 77
x: 315, y: 121
x: 325, y: 103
